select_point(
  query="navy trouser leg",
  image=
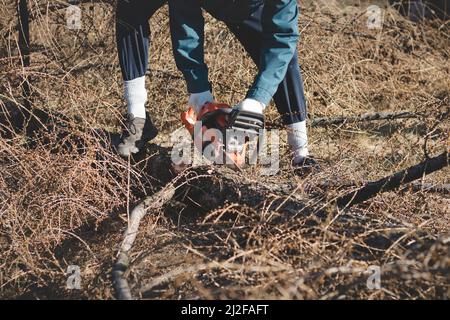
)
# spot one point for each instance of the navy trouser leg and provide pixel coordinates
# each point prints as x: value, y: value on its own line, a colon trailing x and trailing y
x: 289, y: 98
x: 133, y: 35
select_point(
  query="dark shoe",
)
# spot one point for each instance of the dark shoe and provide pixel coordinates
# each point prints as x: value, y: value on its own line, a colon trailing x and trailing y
x: 136, y: 134
x: 307, y: 162
x: 306, y: 165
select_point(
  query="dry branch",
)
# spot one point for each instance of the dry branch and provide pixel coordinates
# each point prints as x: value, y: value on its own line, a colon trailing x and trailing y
x: 371, y: 189
x: 152, y: 202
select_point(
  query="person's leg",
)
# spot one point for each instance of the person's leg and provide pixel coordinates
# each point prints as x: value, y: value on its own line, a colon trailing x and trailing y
x: 289, y: 98
x: 132, y: 37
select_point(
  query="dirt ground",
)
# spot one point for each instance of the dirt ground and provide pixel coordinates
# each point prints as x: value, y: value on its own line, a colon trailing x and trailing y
x: 65, y: 196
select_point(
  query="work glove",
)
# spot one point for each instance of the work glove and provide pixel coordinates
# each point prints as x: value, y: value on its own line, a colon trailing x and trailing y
x: 251, y: 105
x: 198, y: 100
x: 247, y: 116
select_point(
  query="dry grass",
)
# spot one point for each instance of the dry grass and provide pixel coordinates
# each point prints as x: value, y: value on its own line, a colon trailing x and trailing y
x: 64, y: 194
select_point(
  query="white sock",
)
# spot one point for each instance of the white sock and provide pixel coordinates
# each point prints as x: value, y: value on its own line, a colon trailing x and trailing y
x: 251, y: 105
x: 298, y: 140
x: 136, y: 96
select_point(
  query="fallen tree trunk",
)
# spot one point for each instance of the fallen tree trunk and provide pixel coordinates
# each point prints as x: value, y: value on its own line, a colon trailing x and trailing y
x: 371, y: 189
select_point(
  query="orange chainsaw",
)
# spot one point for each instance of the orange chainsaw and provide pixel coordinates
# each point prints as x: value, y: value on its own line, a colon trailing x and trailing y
x: 224, y: 118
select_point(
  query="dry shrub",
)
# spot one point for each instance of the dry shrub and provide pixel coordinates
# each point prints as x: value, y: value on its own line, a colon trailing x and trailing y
x: 63, y: 191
